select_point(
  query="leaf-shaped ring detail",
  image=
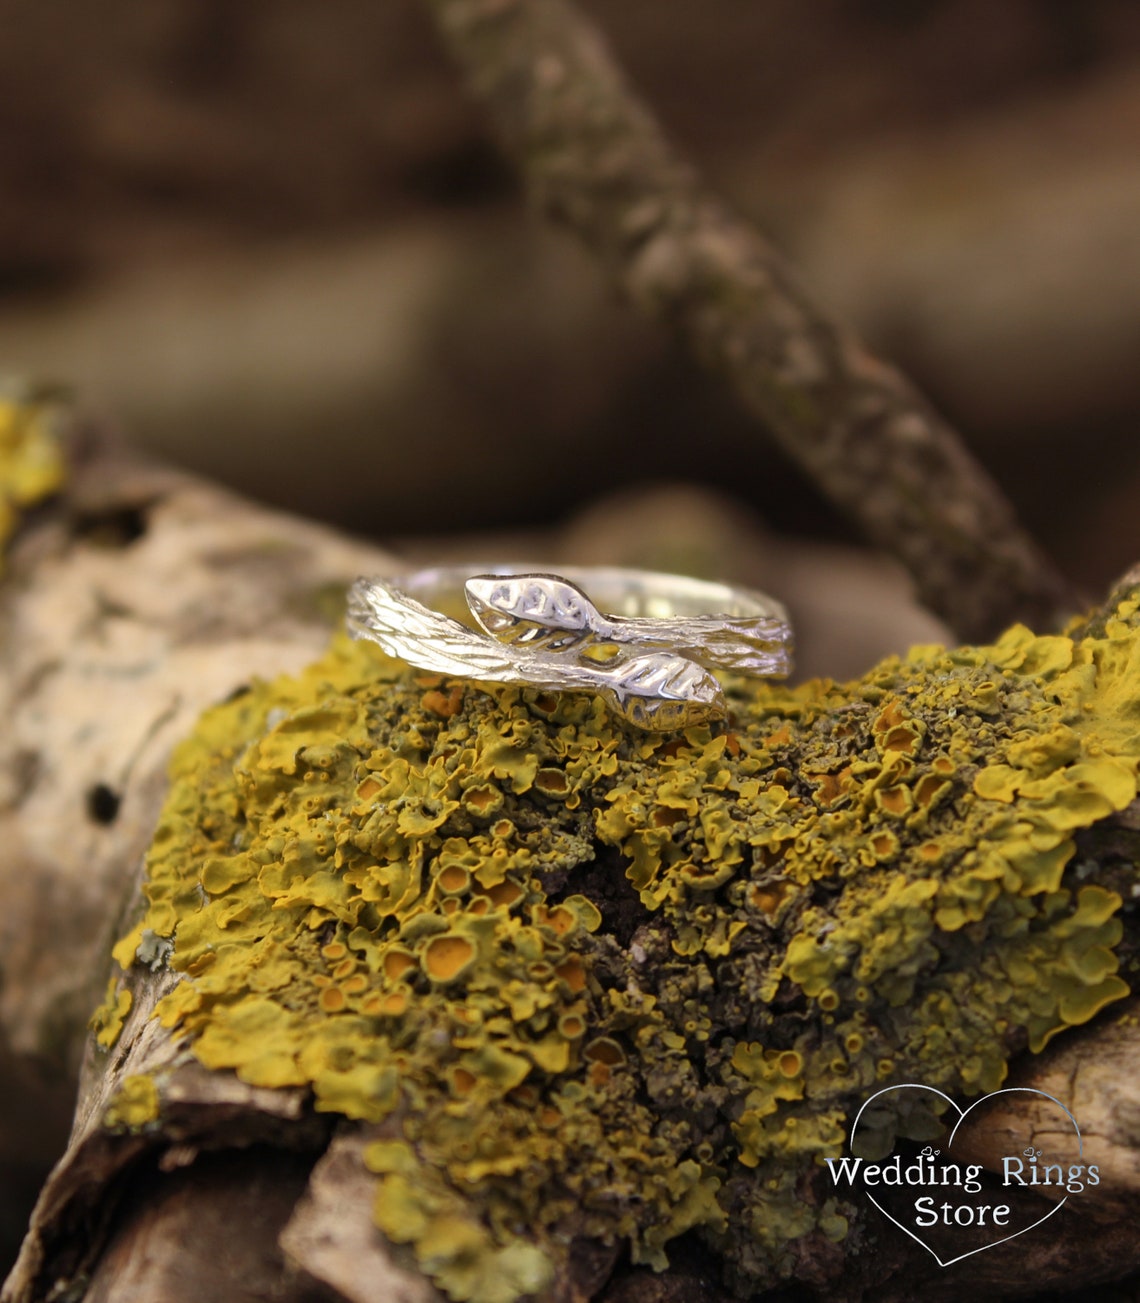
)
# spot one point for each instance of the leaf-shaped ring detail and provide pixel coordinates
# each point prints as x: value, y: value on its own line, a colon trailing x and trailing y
x: 649, y: 655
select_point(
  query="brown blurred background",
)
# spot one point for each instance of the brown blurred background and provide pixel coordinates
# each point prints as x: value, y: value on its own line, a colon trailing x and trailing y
x: 272, y: 242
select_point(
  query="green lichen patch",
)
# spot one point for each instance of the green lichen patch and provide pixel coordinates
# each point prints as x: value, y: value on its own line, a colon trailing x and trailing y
x: 604, y: 983
x: 31, y: 461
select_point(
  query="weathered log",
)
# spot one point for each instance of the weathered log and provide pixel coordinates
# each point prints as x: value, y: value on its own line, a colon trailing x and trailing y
x: 136, y: 598
x: 683, y: 1013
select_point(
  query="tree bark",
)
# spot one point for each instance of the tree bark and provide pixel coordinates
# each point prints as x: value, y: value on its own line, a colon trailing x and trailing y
x: 149, y: 578
x: 133, y: 601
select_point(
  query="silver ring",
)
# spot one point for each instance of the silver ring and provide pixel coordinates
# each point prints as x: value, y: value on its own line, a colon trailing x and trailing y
x: 645, y: 642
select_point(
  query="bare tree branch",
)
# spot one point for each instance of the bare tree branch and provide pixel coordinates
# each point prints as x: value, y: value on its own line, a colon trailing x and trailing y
x: 595, y: 158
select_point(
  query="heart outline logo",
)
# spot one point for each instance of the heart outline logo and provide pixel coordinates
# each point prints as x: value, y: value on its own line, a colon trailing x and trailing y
x: 962, y: 1115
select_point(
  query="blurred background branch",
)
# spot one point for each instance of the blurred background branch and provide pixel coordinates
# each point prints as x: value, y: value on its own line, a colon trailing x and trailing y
x: 594, y: 158
x: 275, y: 242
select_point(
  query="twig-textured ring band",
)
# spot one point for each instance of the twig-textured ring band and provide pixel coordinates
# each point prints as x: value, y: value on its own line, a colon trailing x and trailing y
x: 645, y: 642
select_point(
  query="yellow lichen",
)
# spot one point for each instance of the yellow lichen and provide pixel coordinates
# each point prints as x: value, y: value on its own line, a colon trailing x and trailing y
x: 134, y: 1104
x: 404, y: 894
x: 32, y: 464
x: 446, y: 957
x: 107, y: 1021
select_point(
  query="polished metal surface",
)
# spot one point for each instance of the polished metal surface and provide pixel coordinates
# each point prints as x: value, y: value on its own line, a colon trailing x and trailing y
x: 644, y: 641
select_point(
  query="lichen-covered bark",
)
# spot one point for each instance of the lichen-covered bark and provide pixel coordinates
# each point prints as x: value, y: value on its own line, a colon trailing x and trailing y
x: 569, y: 983
x: 128, y: 603
x: 31, y: 458
x: 557, y: 986
x: 594, y: 158
x: 142, y: 596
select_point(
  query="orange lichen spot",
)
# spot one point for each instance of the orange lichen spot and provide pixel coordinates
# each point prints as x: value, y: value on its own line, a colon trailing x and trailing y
x: 782, y: 737
x: 828, y: 1000
x: 572, y: 1025
x: 768, y: 897
x: 549, y: 1118
x: 396, y: 963
x: 447, y: 957
x: 552, y: 781
x: 666, y: 817
x: 453, y: 879
x: 393, y: 1004
x: 790, y: 1063
x: 332, y: 999
x: 928, y: 791
x: 355, y: 985
x: 853, y: 1043
x: 732, y: 745
x: 884, y: 845
x: 369, y: 788
x: 604, y: 1049
x: 931, y: 851
x: 504, y: 894
x: 484, y: 799
x: 598, y: 1074
x: 889, y: 718
x: 427, y: 680
x: 903, y: 738
x: 546, y: 702
x: 572, y: 973
x: 450, y: 906
x: 895, y: 800
x: 344, y: 969
x: 334, y: 950
x: 830, y: 787
x: 503, y: 828
x: 446, y: 706
x: 944, y: 765
x: 462, y: 1081
x: 477, y: 906
x: 559, y: 918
